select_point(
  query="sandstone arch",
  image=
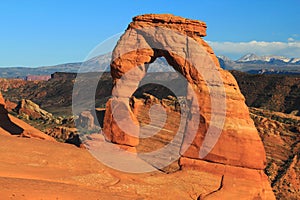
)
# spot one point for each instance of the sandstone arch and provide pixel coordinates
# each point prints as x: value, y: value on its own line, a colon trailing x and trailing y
x: 144, y: 40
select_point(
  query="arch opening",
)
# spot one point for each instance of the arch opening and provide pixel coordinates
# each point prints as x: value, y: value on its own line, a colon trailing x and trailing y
x: 138, y: 48
x: 158, y: 110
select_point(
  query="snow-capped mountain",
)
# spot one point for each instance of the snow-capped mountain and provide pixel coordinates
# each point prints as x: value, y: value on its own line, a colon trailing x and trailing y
x: 254, y: 58
x: 225, y: 58
x: 262, y: 64
x: 248, y: 57
x: 295, y: 60
x: 248, y: 63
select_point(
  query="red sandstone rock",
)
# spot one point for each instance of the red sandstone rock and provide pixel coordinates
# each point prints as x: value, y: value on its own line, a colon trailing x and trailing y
x: 288, y: 187
x: 10, y: 125
x: 39, y: 169
x: 38, y: 77
x: 239, y: 145
x: 61, y: 133
x: 234, y: 183
x: 6, y: 84
x: 187, y: 26
x: 29, y: 108
x: 2, y: 101
x: 10, y: 105
x: 86, y: 120
x: 113, y: 132
x: 280, y: 134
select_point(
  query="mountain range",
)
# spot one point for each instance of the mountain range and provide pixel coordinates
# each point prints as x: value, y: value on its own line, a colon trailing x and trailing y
x: 281, y: 59
x: 250, y: 63
x: 255, y: 64
x: 97, y: 64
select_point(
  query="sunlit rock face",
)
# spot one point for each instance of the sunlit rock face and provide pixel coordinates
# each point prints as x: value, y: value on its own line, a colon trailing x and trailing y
x: 219, y: 136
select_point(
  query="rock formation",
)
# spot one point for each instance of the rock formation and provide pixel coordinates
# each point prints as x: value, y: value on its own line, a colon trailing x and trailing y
x: 281, y: 136
x: 288, y: 185
x: 10, y: 125
x: 39, y: 169
x: 10, y: 106
x: 269, y: 91
x: 2, y: 101
x: 86, y: 120
x: 37, y: 77
x: 6, y: 84
x: 61, y: 133
x: 238, y: 156
x: 32, y: 110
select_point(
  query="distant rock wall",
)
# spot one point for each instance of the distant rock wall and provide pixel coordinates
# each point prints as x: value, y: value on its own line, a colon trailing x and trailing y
x: 37, y: 77
x: 63, y: 75
x: 272, y: 92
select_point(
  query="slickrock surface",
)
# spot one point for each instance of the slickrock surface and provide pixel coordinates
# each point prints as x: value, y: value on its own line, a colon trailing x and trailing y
x: 39, y: 169
x: 239, y: 146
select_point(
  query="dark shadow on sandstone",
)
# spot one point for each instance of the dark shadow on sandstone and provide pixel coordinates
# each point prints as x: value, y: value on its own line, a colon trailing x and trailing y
x: 7, y: 124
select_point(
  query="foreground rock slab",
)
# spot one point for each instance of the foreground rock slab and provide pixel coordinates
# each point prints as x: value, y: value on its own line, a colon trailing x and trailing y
x: 39, y: 169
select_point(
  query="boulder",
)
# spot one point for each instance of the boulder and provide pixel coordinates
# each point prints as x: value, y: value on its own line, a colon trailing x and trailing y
x: 31, y: 109
x: 86, y: 120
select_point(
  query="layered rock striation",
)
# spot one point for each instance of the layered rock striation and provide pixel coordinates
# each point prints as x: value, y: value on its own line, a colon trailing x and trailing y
x: 32, y: 110
x: 233, y: 148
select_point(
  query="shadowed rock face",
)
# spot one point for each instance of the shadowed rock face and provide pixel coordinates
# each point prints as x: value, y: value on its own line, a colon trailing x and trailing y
x: 10, y: 125
x: 6, y: 124
x: 179, y: 41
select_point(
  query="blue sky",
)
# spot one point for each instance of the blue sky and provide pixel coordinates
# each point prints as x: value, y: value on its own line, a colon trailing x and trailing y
x: 48, y: 32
